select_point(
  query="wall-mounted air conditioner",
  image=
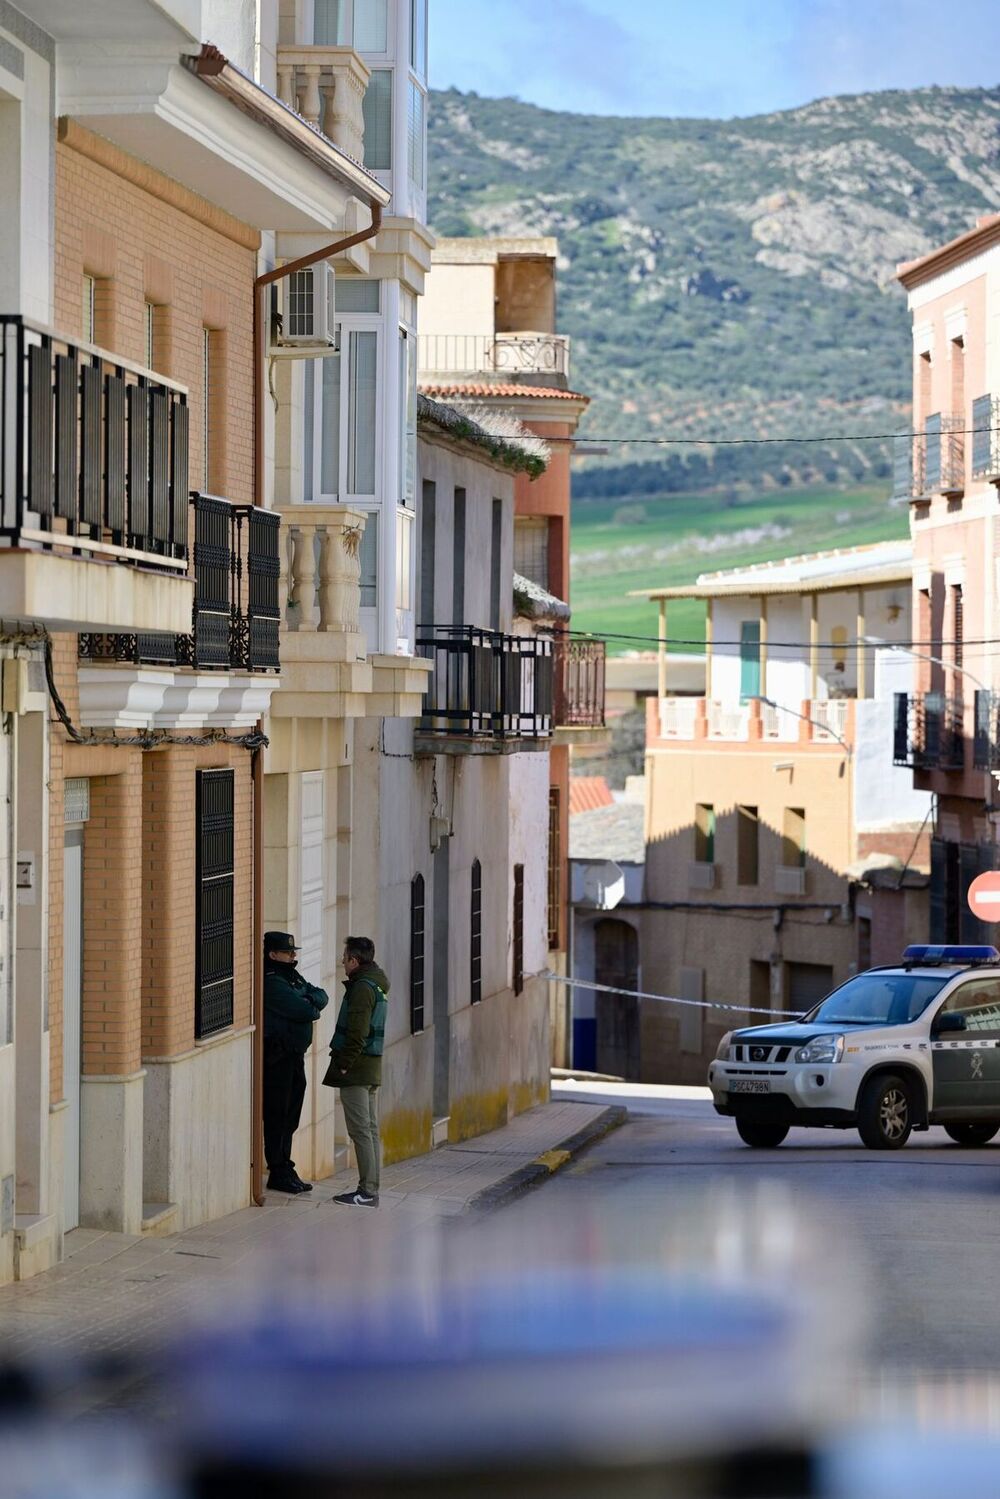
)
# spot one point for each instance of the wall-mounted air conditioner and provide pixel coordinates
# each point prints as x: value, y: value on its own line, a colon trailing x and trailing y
x: 305, y: 313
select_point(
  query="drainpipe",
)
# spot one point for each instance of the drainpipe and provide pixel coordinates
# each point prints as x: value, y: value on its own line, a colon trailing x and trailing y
x: 260, y: 287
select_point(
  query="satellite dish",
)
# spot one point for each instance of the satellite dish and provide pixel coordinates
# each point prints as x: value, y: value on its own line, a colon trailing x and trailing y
x: 604, y: 885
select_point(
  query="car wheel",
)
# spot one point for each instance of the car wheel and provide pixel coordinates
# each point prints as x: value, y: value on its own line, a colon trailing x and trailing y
x: 971, y: 1134
x: 885, y: 1117
x: 761, y: 1136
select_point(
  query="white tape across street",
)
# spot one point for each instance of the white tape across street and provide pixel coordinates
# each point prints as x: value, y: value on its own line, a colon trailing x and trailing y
x: 668, y: 999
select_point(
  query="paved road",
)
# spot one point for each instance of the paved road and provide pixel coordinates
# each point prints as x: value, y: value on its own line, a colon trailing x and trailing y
x: 908, y: 1240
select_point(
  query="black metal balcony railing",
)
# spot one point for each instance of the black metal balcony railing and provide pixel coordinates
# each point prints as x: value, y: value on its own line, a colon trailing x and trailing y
x: 235, y: 620
x: 95, y: 451
x: 486, y: 685
x: 928, y: 731
x: 986, y: 437
x: 986, y: 738
x: 579, y: 683
x: 930, y: 462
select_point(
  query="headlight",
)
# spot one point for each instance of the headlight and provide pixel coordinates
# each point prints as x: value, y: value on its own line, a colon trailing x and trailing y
x: 722, y: 1055
x: 821, y: 1049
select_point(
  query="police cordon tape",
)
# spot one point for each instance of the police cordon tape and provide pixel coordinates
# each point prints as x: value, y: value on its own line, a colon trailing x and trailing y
x: 667, y: 999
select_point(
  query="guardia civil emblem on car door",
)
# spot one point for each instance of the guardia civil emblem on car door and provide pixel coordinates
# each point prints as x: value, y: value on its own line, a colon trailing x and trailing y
x: 977, y: 1065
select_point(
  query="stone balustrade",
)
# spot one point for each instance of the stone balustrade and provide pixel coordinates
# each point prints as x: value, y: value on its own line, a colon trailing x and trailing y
x: 326, y: 85
x: 320, y: 581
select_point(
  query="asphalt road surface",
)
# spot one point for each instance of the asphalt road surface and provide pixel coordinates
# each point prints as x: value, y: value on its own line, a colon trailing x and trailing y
x: 896, y: 1254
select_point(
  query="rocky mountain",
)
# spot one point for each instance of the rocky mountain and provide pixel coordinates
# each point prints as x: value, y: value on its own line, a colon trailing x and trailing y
x: 729, y: 277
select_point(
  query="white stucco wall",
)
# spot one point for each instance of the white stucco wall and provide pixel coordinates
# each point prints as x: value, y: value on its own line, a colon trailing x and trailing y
x: 458, y: 299
x: 884, y: 794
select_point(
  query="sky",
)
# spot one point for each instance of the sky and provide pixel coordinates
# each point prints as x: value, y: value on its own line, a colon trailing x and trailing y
x: 709, y: 58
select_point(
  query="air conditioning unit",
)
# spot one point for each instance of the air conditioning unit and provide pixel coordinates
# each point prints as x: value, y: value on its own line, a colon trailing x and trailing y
x: 306, y: 312
x: 789, y: 879
x: 701, y: 876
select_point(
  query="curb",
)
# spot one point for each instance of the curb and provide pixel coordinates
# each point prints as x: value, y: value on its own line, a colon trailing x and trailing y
x: 518, y: 1182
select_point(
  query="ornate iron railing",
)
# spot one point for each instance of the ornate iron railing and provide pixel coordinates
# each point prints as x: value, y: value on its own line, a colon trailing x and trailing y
x: 986, y: 437
x: 579, y: 683
x: 486, y: 685
x: 94, y: 451
x: 930, y: 462
x: 928, y: 731
x: 986, y: 735
x: 236, y: 615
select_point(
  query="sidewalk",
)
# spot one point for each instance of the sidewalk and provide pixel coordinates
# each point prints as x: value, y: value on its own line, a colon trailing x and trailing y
x: 113, y: 1292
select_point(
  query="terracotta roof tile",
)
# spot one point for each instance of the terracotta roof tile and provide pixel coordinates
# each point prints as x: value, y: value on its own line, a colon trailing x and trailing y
x: 489, y: 389
x: 587, y: 793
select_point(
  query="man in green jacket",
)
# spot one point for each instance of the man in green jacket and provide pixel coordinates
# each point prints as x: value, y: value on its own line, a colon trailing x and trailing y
x: 356, y: 1062
x: 291, y: 1008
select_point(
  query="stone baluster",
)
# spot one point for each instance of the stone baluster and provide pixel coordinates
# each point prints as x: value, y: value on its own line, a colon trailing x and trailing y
x: 339, y: 579
x: 310, y: 103
x: 286, y: 84
x: 344, y: 120
x: 284, y: 536
x: 303, y: 597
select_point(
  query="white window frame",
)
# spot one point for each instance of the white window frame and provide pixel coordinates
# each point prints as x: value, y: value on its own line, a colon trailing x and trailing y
x: 347, y: 27
x: 368, y: 322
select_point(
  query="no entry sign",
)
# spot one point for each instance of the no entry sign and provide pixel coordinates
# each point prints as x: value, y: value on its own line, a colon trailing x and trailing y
x: 984, y: 896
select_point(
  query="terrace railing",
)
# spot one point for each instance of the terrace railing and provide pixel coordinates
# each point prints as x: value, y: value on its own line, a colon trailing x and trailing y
x: 486, y: 685
x: 928, y: 731
x: 579, y: 683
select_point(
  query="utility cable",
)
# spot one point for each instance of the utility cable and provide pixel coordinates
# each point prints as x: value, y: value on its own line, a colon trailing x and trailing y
x: 749, y: 442
x: 667, y: 999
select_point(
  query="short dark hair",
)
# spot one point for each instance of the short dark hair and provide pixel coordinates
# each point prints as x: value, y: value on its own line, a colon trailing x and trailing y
x: 362, y: 948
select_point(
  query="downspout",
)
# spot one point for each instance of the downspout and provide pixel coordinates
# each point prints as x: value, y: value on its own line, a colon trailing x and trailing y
x: 260, y: 287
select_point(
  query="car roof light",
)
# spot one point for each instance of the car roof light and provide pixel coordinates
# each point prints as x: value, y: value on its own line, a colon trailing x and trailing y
x: 933, y: 956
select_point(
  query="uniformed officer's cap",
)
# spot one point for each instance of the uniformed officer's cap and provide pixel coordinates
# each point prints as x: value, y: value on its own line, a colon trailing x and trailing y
x: 279, y: 942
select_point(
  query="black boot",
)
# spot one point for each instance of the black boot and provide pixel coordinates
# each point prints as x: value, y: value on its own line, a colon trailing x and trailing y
x: 285, y: 1182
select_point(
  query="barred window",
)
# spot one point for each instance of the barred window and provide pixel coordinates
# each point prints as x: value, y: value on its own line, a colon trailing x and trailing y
x: 476, y: 934
x: 215, y: 797
x: 416, y: 954
x: 518, y: 928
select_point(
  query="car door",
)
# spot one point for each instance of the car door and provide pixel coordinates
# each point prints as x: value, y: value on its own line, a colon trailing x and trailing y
x: 966, y: 1062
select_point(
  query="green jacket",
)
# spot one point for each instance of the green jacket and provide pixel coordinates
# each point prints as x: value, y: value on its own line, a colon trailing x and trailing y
x: 356, y: 1048
x: 291, y: 1005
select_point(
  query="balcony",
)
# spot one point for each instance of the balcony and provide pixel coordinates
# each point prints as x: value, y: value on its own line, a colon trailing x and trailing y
x: 487, y: 692
x: 986, y: 740
x: 579, y: 683
x: 93, y: 486
x: 233, y: 630
x: 326, y: 85
x: 500, y: 356
x: 932, y: 462
x: 813, y: 723
x: 928, y: 731
x: 986, y: 438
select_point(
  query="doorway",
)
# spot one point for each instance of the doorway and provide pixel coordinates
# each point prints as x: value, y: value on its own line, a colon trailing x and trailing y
x: 616, y: 963
x: 72, y: 998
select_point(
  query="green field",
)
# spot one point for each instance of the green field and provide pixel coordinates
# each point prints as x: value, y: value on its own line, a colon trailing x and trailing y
x: 620, y: 545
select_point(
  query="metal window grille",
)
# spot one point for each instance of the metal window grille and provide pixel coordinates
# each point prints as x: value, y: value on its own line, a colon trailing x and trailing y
x: 476, y: 934
x: 518, y: 928
x: 216, y: 839
x: 416, y: 954
x: 555, y: 868
x: 957, y: 624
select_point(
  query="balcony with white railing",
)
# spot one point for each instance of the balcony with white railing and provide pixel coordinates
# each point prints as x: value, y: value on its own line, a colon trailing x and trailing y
x: 686, y: 721
x: 678, y: 716
x: 499, y: 356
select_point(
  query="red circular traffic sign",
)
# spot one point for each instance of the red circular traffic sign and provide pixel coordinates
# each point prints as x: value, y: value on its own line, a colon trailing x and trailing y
x: 984, y: 896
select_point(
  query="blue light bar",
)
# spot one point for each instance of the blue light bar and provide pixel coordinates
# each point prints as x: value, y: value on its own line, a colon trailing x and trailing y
x: 931, y: 957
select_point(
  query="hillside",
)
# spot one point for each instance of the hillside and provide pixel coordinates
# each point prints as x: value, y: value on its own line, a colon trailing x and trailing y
x: 728, y: 277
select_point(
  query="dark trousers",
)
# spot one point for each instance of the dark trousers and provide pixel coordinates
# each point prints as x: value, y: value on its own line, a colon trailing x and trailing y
x: 284, y: 1090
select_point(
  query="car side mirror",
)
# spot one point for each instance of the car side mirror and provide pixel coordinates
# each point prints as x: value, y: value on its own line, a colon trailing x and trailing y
x: 952, y: 1021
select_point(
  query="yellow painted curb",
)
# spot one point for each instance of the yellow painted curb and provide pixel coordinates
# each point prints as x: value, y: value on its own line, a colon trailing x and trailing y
x: 552, y: 1159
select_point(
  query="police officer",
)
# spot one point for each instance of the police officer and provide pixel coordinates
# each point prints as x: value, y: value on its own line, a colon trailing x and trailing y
x: 291, y: 1007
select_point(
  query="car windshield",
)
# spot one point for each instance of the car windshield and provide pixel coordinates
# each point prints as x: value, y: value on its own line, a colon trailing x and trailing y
x: 880, y: 999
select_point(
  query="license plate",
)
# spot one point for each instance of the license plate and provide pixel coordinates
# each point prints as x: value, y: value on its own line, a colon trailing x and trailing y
x: 749, y: 1085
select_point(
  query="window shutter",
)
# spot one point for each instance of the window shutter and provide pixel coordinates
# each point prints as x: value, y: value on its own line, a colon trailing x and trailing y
x: 932, y: 454
x: 416, y: 954
x: 216, y: 791
x: 476, y: 934
x: 518, y: 928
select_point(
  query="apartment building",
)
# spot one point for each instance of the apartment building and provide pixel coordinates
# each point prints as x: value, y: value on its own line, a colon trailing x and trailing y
x: 489, y: 337
x: 783, y: 850
x: 147, y: 176
x: 948, y: 724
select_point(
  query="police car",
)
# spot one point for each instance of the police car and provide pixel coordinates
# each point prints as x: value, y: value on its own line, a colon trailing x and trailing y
x: 892, y: 1050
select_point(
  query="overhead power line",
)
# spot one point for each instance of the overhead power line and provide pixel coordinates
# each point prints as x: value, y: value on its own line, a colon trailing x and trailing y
x: 745, y: 442
x: 790, y: 645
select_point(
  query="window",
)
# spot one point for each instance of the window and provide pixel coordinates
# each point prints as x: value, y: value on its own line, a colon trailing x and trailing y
x: 458, y: 560
x: 149, y: 328
x: 418, y: 37
x: 355, y: 294
x: 215, y: 802
x: 531, y: 550
x: 415, y: 135
x: 838, y: 647
x: 428, y: 529
x: 206, y: 401
x: 749, y: 659
x: 416, y: 954
x: 362, y: 24
x: 864, y: 943
x: 747, y: 845
x: 404, y: 560
x: 957, y: 625
x: 704, y: 833
x: 377, y: 111
x: 518, y: 935
x: 496, y: 559
x: 330, y: 425
x: 979, y: 1002
x: 89, y: 310
x: 408, y: 426
x: 924, y: 390
x: 555, y: 868
x: 369, y: 562
x: 476, y: 934
x: 361, y: 411
x: 957, y: 352
x: 793, y: 839
x: 214, y: 413
x: 344, y: 403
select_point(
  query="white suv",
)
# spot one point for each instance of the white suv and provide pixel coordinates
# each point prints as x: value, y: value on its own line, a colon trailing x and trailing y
x: 890, y: 1051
